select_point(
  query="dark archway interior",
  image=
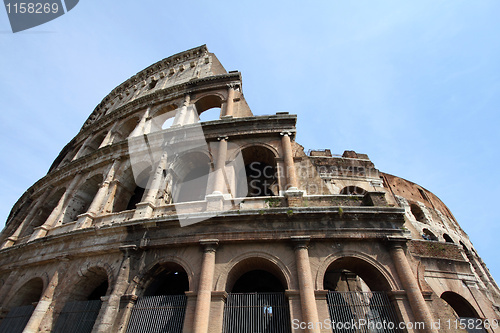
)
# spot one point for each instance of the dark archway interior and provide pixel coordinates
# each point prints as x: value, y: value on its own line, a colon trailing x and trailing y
x: 345, y: 274
x: 169, y: 280
x: 29, y: 293
x: 191, y: 177
x: 260, y: 171
x: 447, y: 238
x: 98, y: 292
x: 459, y: 304
x: 418, y: 213
x: 257, y: 281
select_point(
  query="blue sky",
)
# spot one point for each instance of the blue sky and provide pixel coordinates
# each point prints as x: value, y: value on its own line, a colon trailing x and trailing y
x: 415, y: 85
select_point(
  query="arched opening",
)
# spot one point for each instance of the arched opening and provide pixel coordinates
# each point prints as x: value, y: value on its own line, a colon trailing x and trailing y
x: 428, y: 235
x: 81, y: 201
x: 130, y: 190
x: 163, y: 118
x: 44, y: 212
x: 260, y: 172
x: 447, y: 238
x: 93, y: 145
x: 207, y: 103
x: 190, y: 174
x: 125, y: 129
x: 163, y: 304
x: 357, y: 291
x: 256, y: 301
x: 460, y: 305
x: 210, y: 114
x: 464, y: 311
x: 84, y: 303
x: 417, y: 213
x: 353, y: 190
x: 21, y: 306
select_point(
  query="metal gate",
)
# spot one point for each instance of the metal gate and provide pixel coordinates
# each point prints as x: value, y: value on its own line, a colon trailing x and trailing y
x: 354, y: 311
x: 256, y: 313
x: 78, y: 317
x: 16, y: 319
x: 159, y: 314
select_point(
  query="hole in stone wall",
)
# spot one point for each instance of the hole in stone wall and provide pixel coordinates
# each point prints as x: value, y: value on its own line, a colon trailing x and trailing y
x: 417, y: 213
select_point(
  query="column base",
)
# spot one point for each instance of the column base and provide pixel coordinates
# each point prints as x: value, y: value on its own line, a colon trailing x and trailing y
x: 295, y: 197
x: 84, y: 221
x: 39, y: 232
x: 143, y: 210
x: 215, y: 201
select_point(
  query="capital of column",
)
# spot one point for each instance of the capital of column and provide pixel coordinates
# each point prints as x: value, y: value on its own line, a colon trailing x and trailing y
x: 300, y: 242
x: 286, y: 133
x: 209, y: 245
x: 225, y: 138
x: 187, y: 100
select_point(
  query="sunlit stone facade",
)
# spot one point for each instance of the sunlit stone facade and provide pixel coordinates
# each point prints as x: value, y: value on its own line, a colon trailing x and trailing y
x: 135, y: 212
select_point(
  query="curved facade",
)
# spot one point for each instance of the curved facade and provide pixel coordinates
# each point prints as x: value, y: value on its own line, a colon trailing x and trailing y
x: 151, y: 220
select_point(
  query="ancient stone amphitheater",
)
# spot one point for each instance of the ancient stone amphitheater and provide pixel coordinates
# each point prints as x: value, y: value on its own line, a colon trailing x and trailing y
x: 152, y: 220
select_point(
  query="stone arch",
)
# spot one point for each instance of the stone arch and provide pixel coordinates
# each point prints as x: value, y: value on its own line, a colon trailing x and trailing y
x: 208, y: 101
x: 44, y: 212
x: 93, y: 144
x: 92, y: 282
x: 209, y: 106
x: 162, y: 117
x: 251, y: 261
x: 190, y: 176
x: 375, y: 275
x: 260, y: 172
x: 26, y: 292
x: 130, y: 188
x: 145, y: 277
x: 353, y: 190
x: 82, y: 199
x: 126, y: 128
x: 461, y: 306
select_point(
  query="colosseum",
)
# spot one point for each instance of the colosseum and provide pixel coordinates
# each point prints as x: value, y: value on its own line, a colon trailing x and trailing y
x: 154, y: 218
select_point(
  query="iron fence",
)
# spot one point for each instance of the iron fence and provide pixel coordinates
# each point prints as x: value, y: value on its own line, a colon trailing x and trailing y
x: 363, y: 312
x: 16, y: 319
x: 256, y: 313
x: 78, y: 317
x: 158, y: 314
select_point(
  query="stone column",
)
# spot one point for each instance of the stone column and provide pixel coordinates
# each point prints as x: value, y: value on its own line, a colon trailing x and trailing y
x: 83, y: 148
x: 180, y: 116
x: 109, y: 310
x: 410, y: 284
x: 139, y: 129
x: 205, y: 286
x: 230, y: 101
x: 43, y: 305
x: 108, y: 139
x: 127, y: 302
x: 145, y: 208
x: 220, y: 164
x: 42, y: 230
x: 86, y: 218
x: 291, y: 176
x: 11, y: 240
x: 306, y: 284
